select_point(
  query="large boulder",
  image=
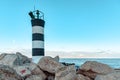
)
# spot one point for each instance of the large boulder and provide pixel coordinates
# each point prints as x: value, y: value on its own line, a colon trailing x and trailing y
x: 49, y: 64
x: 111, y: 76
x: 66, y: 73
x: 21, y: 59
x: 7, y: 73
x: 35, y: 70
x: 14, y: 59
x: 8, y: 59
x: 81, y: 77
x: 97, y: 67
x: 89, y: 73
x: 28, y: 70
x: 23, y: 71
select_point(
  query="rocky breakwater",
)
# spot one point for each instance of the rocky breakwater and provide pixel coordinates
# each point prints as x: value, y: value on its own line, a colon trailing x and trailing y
x: 19, y: 67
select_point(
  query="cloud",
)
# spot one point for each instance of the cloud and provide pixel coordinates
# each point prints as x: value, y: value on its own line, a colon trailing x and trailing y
x: 71, y: 54
x: 79, y: 54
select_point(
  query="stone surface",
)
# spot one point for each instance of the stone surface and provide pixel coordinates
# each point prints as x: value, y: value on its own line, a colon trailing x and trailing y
x: 51, y: 78
x: 35, y: 70
x: 22, y: 71
x: 49, y: 64
x: 56, y: 58
x: 66, y: 73
x: 111, y: 76
x: 34, y: 77
x: 14, y: 59
x: 2, y: 56
x: 19, y: 67
x: 89, y: 73
x: 29, y: 69
x: 7, y: 73
x: 81, y: 77
x: 97, y: 67
x: 21, y: 59
x: 8, y: 59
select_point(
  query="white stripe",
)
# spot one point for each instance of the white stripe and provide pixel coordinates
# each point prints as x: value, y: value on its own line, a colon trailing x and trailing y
x: 38, y: 29
x: 37, y: 44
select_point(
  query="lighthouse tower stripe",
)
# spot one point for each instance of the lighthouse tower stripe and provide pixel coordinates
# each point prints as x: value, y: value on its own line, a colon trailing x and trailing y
x: 37, y: 44
x: 37, y: 22
x: 37, y: 37
x: 38, y: 29
x: 38, y: 52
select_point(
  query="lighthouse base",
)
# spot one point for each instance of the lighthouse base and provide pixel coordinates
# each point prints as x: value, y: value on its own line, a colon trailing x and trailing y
x: 36, y: 59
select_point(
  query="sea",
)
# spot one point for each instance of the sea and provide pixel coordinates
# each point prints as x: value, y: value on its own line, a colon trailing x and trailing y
x: 112, y: 62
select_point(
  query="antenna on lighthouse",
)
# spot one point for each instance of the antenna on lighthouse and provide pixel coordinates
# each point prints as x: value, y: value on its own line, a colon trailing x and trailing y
x: 37, y: 22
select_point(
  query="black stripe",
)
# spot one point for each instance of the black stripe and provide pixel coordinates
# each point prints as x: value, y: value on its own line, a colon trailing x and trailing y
x: 37, y: 52
x: 38, y: 22
x: 37, y: 36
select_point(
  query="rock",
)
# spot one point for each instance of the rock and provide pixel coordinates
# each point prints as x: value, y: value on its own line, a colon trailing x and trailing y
x: 66, y: 73
x: 34, y: 77
x: 97, y: 67
x: 13, y: 59
x: 19, y: 67
x: 8, y: 59
x: 111, y: 76
x: 28, y: 70
x: 56, y: 58
x: 51, y: 78
x: 2, y: 56
x: 23, y: 71
x: 81, y: 77
x: 7, y: 73
x: 35, y: 70
x: 49, y: 64
x: 21, y: 59
x: 32, y: 66
x: 89, y: 73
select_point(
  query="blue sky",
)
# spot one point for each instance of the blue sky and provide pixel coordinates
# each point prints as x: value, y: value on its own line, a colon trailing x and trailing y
x: 71, y: 25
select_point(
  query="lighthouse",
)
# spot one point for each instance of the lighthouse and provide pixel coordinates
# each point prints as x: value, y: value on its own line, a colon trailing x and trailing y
x: 37, y: 22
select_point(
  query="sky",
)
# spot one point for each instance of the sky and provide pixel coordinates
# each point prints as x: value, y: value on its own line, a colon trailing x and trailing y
x: 70, y: 25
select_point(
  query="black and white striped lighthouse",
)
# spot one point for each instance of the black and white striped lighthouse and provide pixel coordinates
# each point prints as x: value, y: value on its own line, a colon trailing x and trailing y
x: 37, y: 21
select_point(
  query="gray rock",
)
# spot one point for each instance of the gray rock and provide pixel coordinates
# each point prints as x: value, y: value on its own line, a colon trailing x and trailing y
x: 56, y: 58
x: 2, y: 56
x: 14, y: 59
x: 81, y: 77
x: 35, y: 70
x: 8, y: 59
x: 48, y: 64
x: 7, y: 73
x: 23, y: 71
x: 21, y: 59
x: 97, y: 67
x: 89, y: 73
x: 51, y: 78
x: 111, y: 76
x: 28, y: 70
x: 66, y: 73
